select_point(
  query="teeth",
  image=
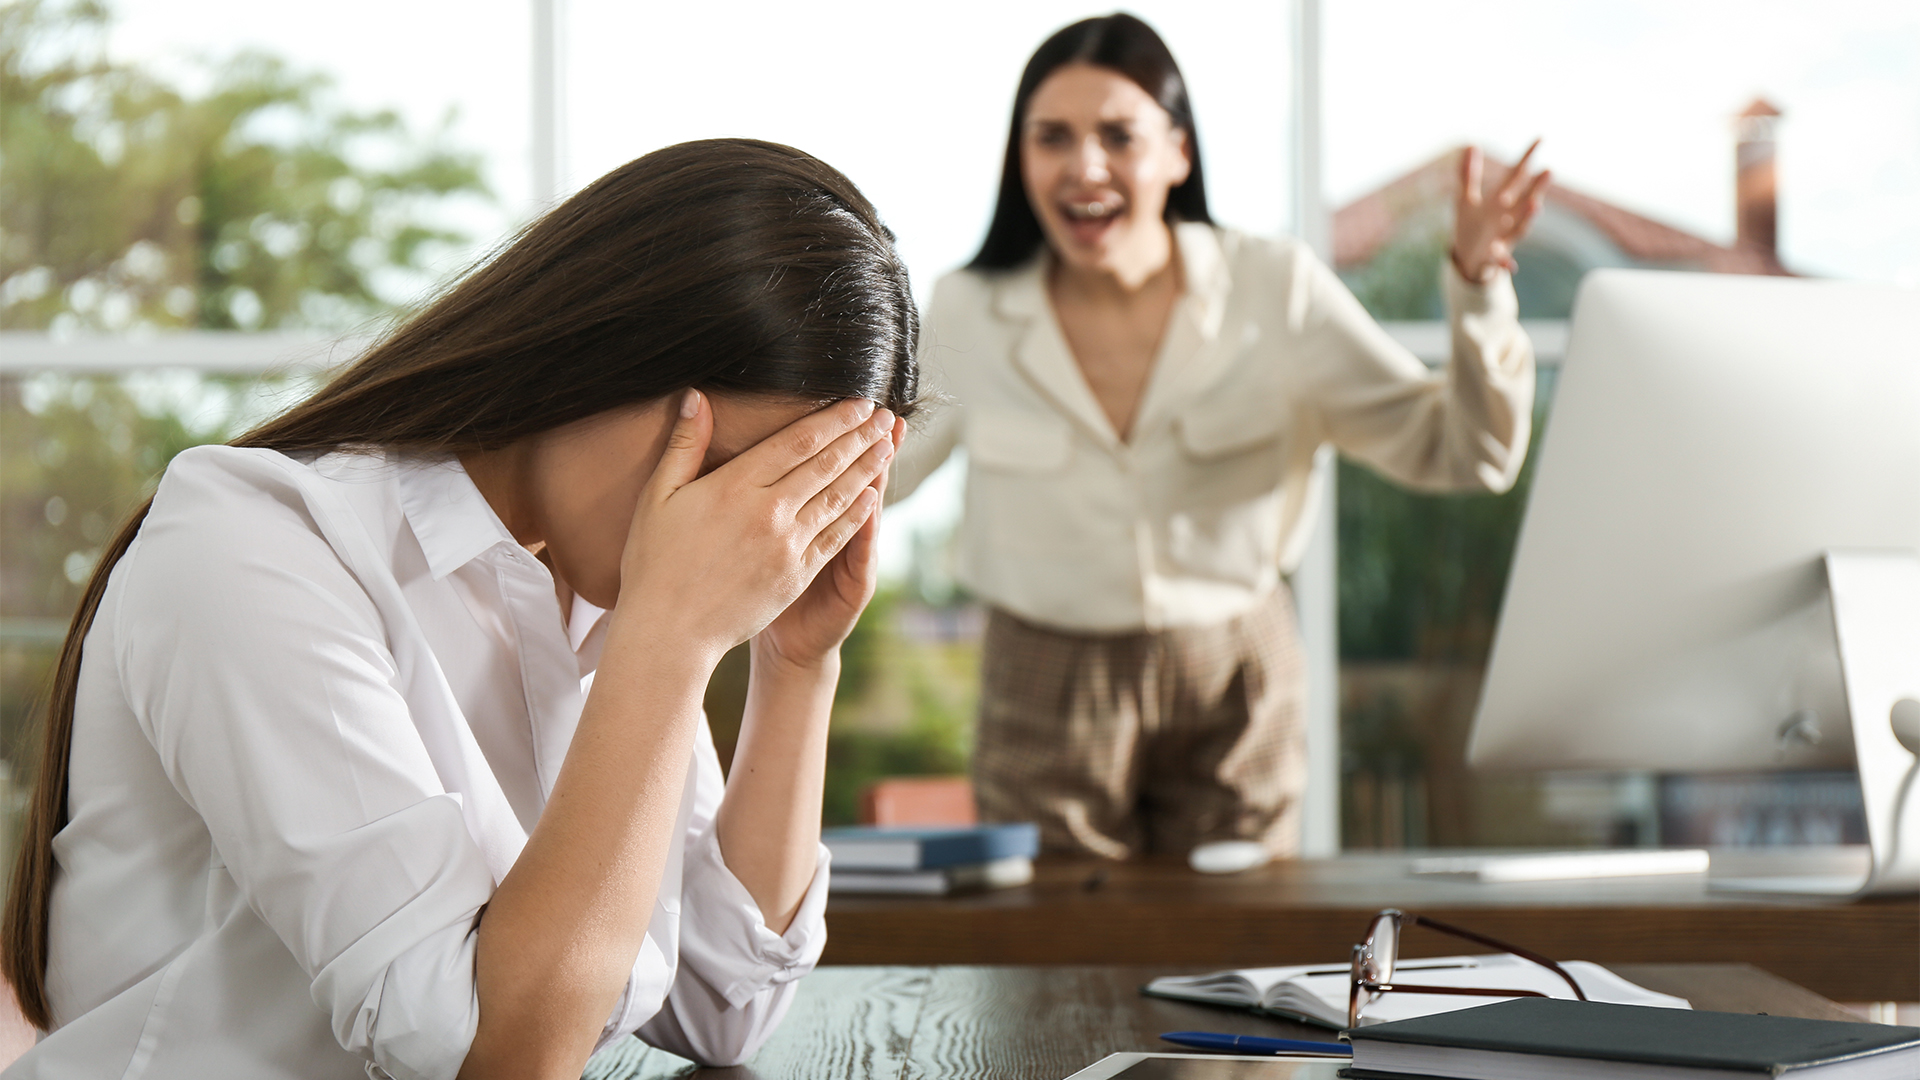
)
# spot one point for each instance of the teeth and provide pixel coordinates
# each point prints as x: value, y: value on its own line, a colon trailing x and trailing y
x: 1090, y: 210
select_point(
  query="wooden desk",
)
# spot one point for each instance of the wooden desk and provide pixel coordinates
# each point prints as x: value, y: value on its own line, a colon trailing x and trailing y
x: 1312, y: 911
x: 1043, y: 1023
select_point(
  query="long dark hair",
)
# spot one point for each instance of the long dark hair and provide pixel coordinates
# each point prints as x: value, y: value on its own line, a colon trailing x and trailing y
x: 729, y: 265
x: 1123, y: 44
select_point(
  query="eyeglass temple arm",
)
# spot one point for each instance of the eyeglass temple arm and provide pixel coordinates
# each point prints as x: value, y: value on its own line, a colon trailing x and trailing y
x: 1495, y: 943
x: 1464, y: 991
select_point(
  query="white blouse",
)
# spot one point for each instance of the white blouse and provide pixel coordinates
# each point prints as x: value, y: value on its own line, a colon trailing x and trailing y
x: 321, y: 708
x: 1193, y: 518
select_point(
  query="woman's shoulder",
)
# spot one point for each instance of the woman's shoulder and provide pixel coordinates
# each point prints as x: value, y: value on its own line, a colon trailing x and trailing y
x: 215, y: 500
x: 964, y: 290
x: 205, y: 479
x: 1246, y: 250
x: 1276, y: 266
x: 232, y: 542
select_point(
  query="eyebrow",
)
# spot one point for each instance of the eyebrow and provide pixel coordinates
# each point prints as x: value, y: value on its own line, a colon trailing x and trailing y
x: 1105, y: 122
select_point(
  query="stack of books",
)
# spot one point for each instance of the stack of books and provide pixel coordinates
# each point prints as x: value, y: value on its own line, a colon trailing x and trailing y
x: 931, y: 861
x: 1549, y: 1039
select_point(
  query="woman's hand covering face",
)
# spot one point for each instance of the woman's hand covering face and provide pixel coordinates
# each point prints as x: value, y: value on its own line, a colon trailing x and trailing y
x: 1487, y: 227
x: 784, y: 533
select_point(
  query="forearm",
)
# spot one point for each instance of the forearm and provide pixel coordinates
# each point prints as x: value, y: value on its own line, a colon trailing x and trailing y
x: 769, y: 822
x: 558, y: 939
x: 1491, y: 374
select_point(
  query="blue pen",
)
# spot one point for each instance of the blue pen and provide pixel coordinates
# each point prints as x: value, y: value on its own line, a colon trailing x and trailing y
x: 1255, y: 1044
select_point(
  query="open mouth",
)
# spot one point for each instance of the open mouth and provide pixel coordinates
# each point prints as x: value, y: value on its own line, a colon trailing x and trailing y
x: 1088, y: 219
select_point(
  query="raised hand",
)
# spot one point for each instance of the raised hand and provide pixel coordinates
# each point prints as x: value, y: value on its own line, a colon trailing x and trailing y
x: 822, y: 617
x: 717, y: 557
x: 1486, y: 228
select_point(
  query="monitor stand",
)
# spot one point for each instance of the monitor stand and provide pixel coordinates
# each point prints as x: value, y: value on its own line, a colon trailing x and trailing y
x: 1876, y: 617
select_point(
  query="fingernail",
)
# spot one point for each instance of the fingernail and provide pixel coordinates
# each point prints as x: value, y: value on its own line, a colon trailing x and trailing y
x: 883, y: 419
x: 865, y: 407
x: 886, y: 448
x: 690, y: 405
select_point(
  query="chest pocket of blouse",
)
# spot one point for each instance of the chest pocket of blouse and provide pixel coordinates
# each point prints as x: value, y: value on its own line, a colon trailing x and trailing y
x: 1018, y: 441
x: 1231, y: 423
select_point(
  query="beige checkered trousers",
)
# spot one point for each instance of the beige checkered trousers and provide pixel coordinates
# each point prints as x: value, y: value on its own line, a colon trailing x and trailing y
x: 1124, y: 744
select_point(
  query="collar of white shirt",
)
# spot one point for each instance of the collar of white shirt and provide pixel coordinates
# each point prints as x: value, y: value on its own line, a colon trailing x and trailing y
x: 1187, y: 359
x: 455, y: 525
x: 452, y: 520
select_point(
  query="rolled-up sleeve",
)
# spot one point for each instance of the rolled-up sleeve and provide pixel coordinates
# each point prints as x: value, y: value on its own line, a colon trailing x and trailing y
x: 1462, y: 429
x: 261, y: 675
x: 736, y: 977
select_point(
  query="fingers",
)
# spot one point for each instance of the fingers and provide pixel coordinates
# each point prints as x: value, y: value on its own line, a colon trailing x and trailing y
x: 769, y: 461
x: 686, y: 444
x: 1536, y: 192
x: 1510, y: 187
x: 850, y: 482
x: 860, y: 557
x: 898, y: 436
x: 814, y: 475
x: 1470, y: 166
x: 1520, y: 217
x: 841, y: 530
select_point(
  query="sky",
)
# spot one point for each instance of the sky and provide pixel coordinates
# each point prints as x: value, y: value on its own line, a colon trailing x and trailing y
x: 1634, y: 99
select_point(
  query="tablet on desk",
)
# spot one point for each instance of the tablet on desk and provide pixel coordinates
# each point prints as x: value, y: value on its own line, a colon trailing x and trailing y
x: 1209, y: 1067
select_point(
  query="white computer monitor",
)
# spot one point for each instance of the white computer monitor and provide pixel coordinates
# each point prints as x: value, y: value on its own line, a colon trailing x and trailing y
x: 1711, y: 438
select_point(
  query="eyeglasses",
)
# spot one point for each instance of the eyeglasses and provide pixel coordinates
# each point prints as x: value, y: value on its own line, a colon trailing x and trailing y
x: 1374, y: 959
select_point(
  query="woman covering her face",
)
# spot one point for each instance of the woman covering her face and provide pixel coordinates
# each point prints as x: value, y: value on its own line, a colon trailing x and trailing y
x: 1141, y: 394
x: 376, y: 747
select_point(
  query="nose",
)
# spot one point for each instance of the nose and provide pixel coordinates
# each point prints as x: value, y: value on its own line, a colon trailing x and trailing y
x: 1090, y: 162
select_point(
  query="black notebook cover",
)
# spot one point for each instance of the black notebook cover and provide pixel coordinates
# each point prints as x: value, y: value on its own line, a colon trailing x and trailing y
x: 1753, y: 1043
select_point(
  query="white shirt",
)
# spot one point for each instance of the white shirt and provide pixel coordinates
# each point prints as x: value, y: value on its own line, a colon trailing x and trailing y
x: 1195, y: 516
x: 320, y: 710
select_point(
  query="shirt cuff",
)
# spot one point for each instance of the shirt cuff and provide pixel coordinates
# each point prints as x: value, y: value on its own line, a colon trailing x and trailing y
x: 1485, y: 320
x: 725, y: 938
x: 1492, y: 297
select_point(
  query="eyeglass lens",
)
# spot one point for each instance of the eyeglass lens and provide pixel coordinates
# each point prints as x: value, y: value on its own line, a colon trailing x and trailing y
x: 1383, y: 942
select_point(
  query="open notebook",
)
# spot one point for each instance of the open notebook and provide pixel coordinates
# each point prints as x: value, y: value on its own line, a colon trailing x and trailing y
x: 1318, y: 994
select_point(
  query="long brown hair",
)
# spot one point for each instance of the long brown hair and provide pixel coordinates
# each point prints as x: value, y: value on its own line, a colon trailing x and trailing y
x: 729, y: 265
x: 1118, y: 42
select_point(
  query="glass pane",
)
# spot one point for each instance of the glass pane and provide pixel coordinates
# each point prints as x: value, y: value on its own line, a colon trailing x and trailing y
x: 1688, y: 170
x: 203, y: 165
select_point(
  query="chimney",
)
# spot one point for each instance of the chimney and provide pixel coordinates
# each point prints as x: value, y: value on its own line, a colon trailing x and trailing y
x: 1756, y: 224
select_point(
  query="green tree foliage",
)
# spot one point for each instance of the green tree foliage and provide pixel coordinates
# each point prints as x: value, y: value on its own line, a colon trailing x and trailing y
x: 1422, y: 576
x: 129, y: 204
x: 126, y: 202
x: 932, y: 738
x: 1402, y: 280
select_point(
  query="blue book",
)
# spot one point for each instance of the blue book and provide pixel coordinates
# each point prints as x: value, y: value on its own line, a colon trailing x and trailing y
x: 870, y: 848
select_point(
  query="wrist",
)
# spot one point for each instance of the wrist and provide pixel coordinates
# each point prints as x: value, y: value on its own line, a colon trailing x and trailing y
x: 667, y: 642
x: 1478, y: 275
x: 769, y: 658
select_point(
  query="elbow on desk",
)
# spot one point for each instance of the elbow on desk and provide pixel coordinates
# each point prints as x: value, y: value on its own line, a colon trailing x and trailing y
x: 723, y: 1035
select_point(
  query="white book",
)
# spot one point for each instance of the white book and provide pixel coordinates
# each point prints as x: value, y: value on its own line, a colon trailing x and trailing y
x: 996, y: 874
x: 1318, y: 993
x: 1567, y: 865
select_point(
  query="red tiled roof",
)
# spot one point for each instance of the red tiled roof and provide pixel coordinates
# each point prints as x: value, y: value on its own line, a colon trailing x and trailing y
x: 1362, y: 227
